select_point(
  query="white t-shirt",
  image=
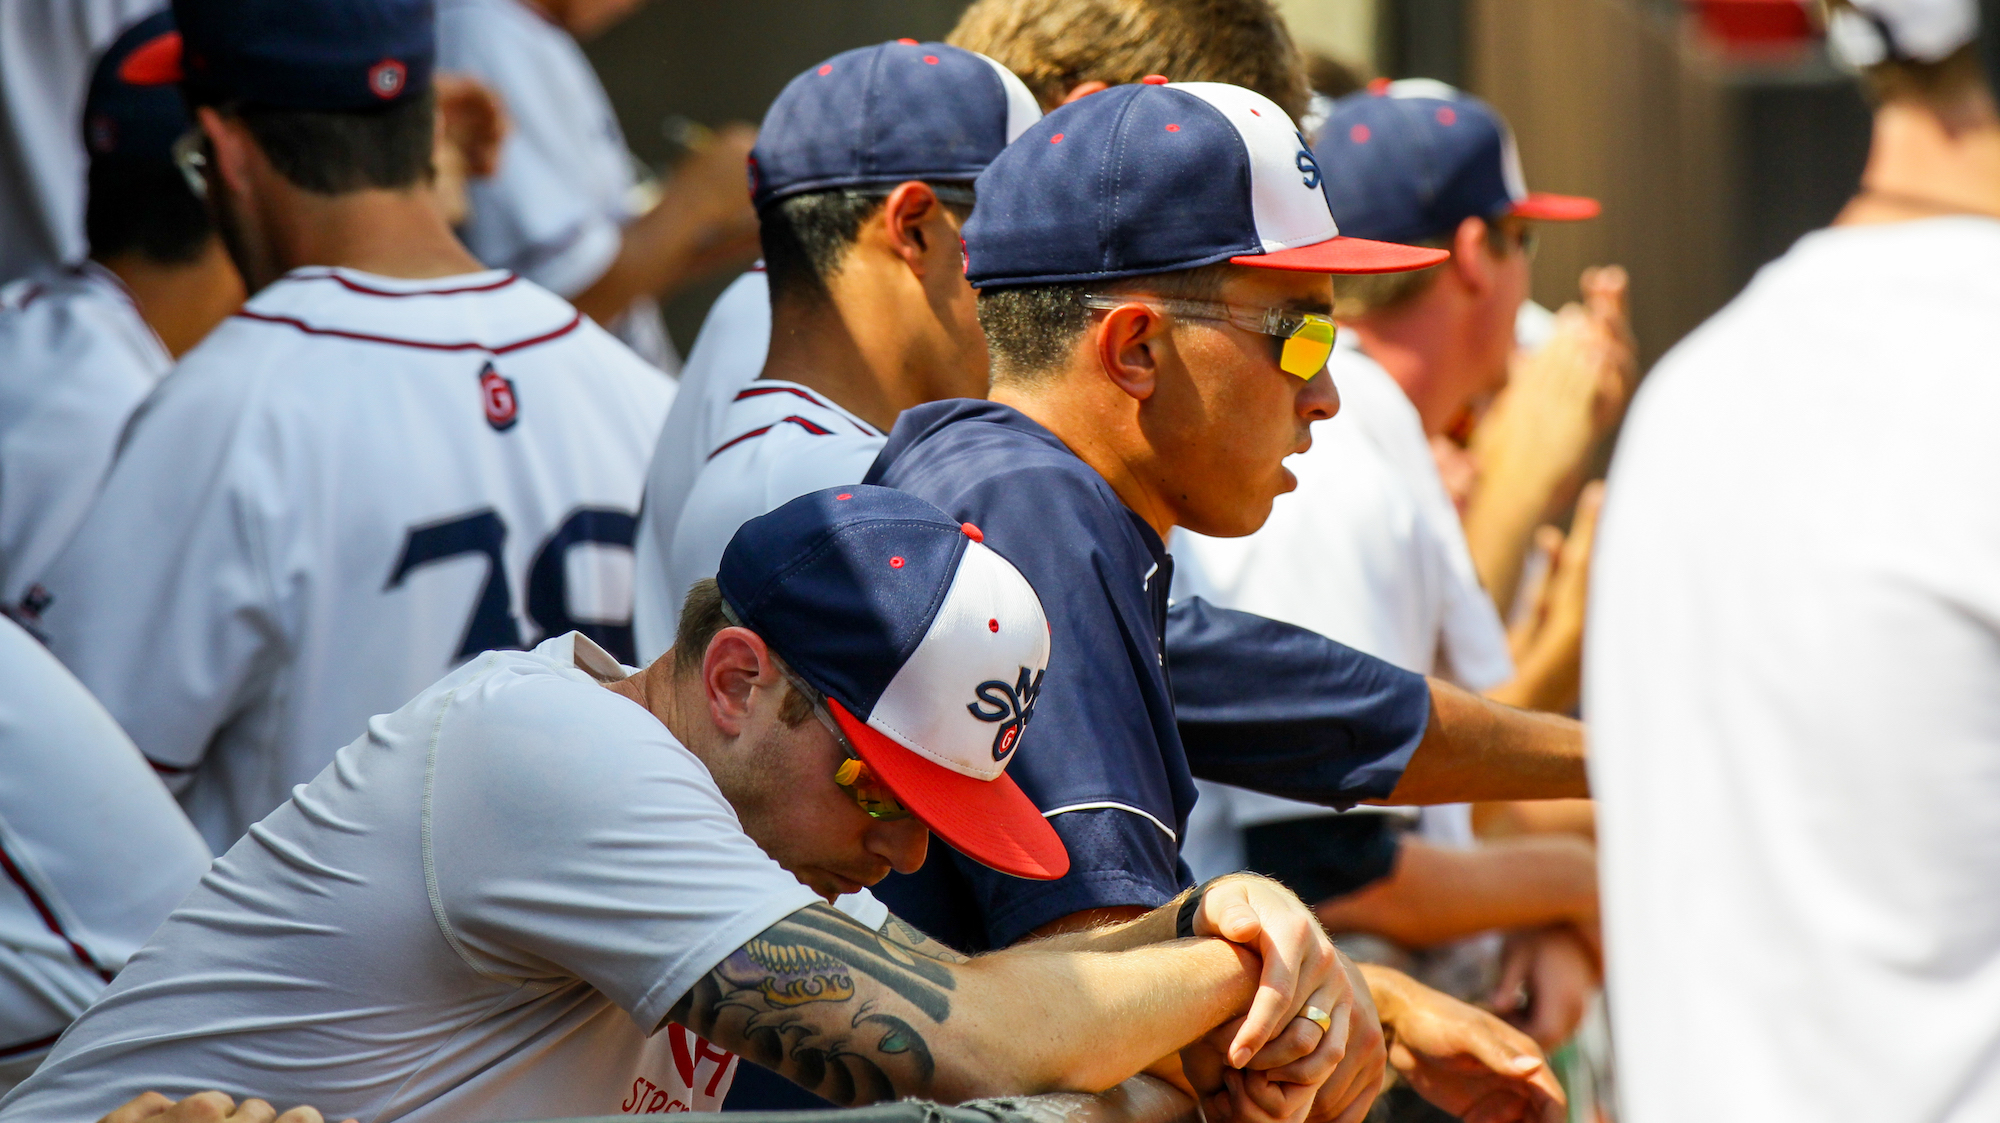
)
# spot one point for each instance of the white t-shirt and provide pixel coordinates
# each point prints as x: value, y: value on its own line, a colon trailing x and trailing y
x: 783, y: 441
x: 76, y: 358
x: 95, y: 852
x: 555, y: 211
x: 482, y: 911
x: 1368, y: 550
x: 349, y: 486
x: 1793, y: 681
x: 727, y: 355
x: 47, y: 50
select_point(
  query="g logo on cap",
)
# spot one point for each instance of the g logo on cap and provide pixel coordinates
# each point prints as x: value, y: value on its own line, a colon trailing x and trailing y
x: 1011, y: 705
x: 386, y: 78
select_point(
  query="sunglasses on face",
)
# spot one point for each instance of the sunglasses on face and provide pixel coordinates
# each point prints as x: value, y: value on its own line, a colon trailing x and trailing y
x: 853, y: 776
x: 1303, y: 340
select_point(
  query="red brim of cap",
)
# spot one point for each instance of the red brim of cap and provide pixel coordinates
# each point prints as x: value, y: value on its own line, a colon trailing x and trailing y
x: 1544, y: 207
x: 990, y: 821
x: 156, y: 62
x: 1347, y: 255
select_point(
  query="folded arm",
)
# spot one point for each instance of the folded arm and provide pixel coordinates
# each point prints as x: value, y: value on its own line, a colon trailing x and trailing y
x: 857, y: 1016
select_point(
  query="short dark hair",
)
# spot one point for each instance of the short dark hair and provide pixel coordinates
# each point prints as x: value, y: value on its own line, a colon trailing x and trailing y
x: 334, y: 153
x: 702, y: 616
x: 1031, y: 329
x: 806, y: 237
x: 143, y: 205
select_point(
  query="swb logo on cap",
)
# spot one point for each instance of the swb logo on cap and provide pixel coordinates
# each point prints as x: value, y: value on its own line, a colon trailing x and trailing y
x: 928, y: 646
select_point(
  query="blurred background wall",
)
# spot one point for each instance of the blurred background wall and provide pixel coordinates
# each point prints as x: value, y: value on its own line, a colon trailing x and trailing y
x: 1715, y: 131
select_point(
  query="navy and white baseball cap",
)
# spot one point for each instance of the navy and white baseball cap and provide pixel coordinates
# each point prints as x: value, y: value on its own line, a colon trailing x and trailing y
x: 928, y: 646
x: 881, y: 115
x: 325, y: 55
x: 1412, y: 159
x: 132, y: 109
x: 1159, y: 176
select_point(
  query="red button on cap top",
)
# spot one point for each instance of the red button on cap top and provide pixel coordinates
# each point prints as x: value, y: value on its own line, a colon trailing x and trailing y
x: 907, y: 42
x: 972, y: 532
x: 1154, y: 79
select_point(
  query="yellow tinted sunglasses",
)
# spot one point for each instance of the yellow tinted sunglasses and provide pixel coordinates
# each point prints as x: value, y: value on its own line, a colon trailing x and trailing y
x: 1303, y: 340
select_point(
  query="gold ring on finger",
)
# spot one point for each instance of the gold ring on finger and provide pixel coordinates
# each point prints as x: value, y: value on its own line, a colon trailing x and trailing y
x: 1318, y: 1017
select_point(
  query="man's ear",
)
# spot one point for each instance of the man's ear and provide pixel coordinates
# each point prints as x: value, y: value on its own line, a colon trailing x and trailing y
x: 913, y: 221
x: 737, y: 661
x: 1471, y: 256
x: 233, y: 150
x: 1084, y: 89
x: 1128, y: 339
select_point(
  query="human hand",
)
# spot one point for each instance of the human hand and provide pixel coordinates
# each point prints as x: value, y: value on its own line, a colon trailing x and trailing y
x: 1547, y: 978
x: 1300, y: 968
x: 206, y: 1107
x: 473, y: 120
x: 1328, y: 1085
x: 1461, y: 1058
x: 708, y: 188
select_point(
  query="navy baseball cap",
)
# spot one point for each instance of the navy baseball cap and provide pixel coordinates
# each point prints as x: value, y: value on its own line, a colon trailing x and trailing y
x: 1411, y: 160
x: 929, y: 649
x: 324, y: 55
x: 132, y: 108
x: 881, y: 115
x: 1159, y: 176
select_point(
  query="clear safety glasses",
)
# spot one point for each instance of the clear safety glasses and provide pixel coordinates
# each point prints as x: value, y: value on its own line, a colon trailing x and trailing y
x: 1303, y: 340
x: 192, y: 159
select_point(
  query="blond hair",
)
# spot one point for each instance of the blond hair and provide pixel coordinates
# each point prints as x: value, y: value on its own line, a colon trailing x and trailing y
x: 1055, y: 45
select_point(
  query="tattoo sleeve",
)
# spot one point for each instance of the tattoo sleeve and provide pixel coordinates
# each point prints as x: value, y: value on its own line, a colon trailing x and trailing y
x: 829, y: 1004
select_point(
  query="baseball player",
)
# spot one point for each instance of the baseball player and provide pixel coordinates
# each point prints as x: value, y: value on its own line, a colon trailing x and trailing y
x: 46, y: 51
x: 1369, y: 546
x: 862, y: 176
x: 388, y: 461
x: 1794, y: 637
x: 1107, y: 42
x: 559, y: 211
x: 93, y: 851
x: 551, y: 886
x: 80, y: 348
x: 1153, y: 263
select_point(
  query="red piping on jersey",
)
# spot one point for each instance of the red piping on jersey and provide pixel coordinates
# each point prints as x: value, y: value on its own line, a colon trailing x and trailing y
x: 170, y: 769
x: 10, y: 1051
x: 366, y: 291
x: 812, y: 427
x: 417, y: 343
x: 760, y: 391
x: 32, y: 294
x: 47, y: 914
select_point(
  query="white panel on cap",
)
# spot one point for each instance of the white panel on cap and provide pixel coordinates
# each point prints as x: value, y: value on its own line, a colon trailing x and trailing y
x: 931, y: 705
x: 1510, y: 166
x: 1428, y: 88
x: 1924, y: 30
x: 1022, y: 108
x: 1285, y: 195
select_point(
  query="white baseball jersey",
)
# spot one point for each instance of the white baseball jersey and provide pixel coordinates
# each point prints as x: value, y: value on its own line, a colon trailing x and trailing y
x: 93, y: 852
x: 1369, y: 550
x: 47, y: 49
x: 783, y: 441
x: 727, y: 355
x: 556, y: 210
x: 482, y: 912
x: 76, y: 359
x: 350, y: 486
x: 1792, y: 675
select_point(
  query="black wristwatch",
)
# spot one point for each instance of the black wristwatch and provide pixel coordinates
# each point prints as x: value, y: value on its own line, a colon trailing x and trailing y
x: 1184, y: 916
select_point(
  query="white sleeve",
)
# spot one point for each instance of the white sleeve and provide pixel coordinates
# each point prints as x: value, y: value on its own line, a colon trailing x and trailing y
x: 531, y: 216
x: 571, y: 834
x: 162, y: 604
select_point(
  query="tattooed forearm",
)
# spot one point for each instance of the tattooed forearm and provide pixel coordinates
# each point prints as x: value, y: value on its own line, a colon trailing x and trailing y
x: 898, y: 931
x: 819, y: 998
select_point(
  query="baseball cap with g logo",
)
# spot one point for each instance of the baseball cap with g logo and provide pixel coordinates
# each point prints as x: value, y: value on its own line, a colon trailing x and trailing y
x: 325, y: 55
x: 928, y: 647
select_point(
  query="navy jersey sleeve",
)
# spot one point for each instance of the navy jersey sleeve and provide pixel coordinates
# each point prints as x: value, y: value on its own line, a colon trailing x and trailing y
x: 1278, y: 709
